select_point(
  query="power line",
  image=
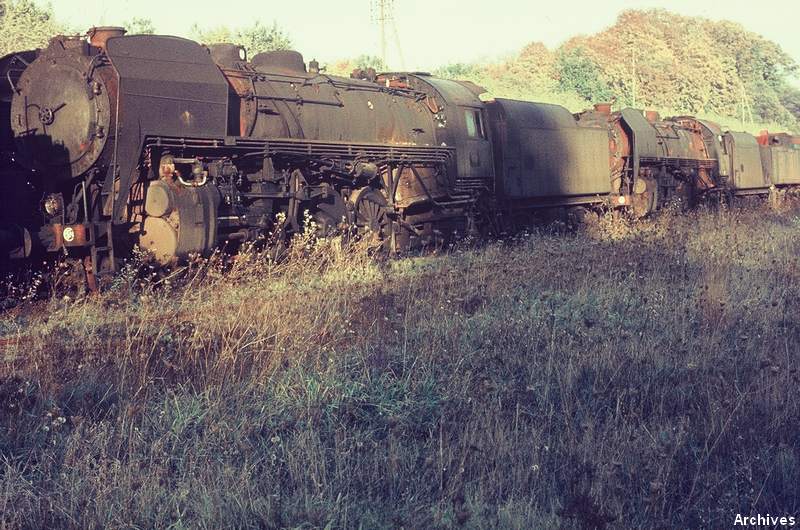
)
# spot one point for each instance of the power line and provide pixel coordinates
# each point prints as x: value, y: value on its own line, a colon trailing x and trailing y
x: 382, y: 12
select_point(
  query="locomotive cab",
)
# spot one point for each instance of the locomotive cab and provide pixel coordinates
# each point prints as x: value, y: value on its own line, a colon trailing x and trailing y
x: 461, y: 122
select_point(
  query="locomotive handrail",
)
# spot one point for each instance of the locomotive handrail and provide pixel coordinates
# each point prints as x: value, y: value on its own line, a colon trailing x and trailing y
x: 316, y: 148
x: 686, y: 162
x: 297, y: 99
x: 17, y: 57
x: 10, y: 82
x: 277, y: 77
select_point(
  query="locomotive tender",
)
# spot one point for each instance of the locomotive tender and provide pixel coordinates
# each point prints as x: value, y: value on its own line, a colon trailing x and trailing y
x: 111, y: 142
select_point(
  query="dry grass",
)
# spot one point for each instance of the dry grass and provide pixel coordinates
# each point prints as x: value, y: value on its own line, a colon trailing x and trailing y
x: 639, y: 373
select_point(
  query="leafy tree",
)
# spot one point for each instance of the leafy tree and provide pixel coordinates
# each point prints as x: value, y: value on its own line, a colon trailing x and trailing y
x: 25, y: 25
x: 577, y: 72
x: 259, y: 38
x: 215, y: 35
x: 690, y: 64
x: 345, y: 67
x: 790, y: 100
x: 255, y: 39
x: 653, y: 59
x: 140, y: 26
x: 536, y: 66
x: 370, y: 61
x: 766, y: 103
x: 456, y: 71
x: 532, y: 74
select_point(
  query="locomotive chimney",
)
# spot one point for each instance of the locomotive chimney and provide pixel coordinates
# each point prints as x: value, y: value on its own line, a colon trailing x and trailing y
x: 603, y: 108
x: 98, y: 36
x: 651, y: 116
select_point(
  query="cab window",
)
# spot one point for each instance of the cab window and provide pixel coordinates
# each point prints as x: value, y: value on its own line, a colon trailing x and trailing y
x: 474, y: 124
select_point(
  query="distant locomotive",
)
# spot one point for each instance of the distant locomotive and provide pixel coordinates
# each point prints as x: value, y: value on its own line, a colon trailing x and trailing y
x: 117, y: 141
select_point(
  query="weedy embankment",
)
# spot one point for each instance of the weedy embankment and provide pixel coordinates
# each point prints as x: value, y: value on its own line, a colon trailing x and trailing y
x: 633, y: 375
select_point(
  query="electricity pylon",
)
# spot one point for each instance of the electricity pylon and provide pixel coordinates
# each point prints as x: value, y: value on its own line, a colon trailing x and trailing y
x: 382, y: 12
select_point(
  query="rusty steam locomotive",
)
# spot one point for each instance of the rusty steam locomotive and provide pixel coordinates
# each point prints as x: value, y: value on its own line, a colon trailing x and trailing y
x: 111, y: 142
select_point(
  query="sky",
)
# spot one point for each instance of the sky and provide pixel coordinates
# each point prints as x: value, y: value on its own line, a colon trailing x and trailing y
x: 430, y: 32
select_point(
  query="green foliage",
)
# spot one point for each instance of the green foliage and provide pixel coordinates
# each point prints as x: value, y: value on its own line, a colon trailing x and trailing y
x: 370, y: 61
x: 216, y: 35
x: 659, y: 60
x: 790, y: 100
x: 140, y: 26
x: 255, y: 39
x: 692, y: 64
x: 345, y: 67
x: 24, y: 25
x: 456, y: 71
x: 766, y: 102
x: 259, y: 38
x: 580, y: 74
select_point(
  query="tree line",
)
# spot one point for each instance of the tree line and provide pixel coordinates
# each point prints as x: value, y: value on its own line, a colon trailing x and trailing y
x: 658, y: 59
x: 648, y: 58
x: 25, y: 25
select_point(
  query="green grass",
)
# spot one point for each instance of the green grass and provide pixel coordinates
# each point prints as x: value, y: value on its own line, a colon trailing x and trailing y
x: 644, y: 373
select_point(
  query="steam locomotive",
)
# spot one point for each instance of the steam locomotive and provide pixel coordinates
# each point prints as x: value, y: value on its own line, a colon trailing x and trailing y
x: 111, y: 142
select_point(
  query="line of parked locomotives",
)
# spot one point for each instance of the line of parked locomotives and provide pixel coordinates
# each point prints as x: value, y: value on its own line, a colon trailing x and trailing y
x: 111, y: 142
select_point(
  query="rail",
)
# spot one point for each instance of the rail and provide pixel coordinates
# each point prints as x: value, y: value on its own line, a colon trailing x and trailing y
x: 311, y: 148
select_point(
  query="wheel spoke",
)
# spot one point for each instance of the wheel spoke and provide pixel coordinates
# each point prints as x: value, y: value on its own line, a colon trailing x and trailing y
x: 371, y: 218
